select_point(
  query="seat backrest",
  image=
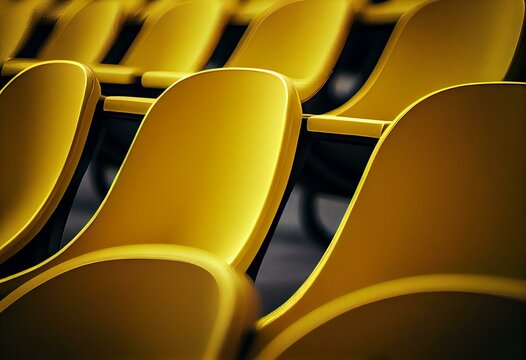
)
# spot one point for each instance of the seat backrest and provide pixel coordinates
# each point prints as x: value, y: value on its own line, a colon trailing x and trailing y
x: 427, y: 317
x: 85, y: 31
x: 208, y: 168
x: 178, y: 36
x: 440, y: 44
x: 45, y: 116
x: 301, y: 39
x: 131, y: 302
x: 443, y: 192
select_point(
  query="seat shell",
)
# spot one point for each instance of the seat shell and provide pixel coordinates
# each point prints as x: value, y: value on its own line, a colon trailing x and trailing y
x: 139, y: 301
x: 45, y: 117
x: 443, y: 192
x: 431, y: 316
x: 210, y: 177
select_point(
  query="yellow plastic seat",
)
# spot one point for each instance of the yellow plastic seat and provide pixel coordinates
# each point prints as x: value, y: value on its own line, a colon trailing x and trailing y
x: 443, y: 192
x: 284, y: 39
x: 198, y: 173
x: 388, y: 11
x: 425, y: 317
x: 436, y: 45
x: 439, y: 44
x: 45, y: 118
x: 84, y: 33
x: 281, y: 39
x: 176, y: 36
x: 154, y: 301
x: 303, y: 52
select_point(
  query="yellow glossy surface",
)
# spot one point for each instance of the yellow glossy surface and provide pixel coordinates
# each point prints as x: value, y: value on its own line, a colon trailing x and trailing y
x: 285, y: 39
x: 389, y: 11
x: 128, y: 104
x: 145, y: 301
x: 116, y: 74
x: 84, y: 32
x: 16, y: 20
x: 15, y: 65
x: 178, y: 36
x: 134, y: 7
x: 301, y: 39
x: 347, y: 126
x: 247, y: 11
x: 440, y: 44
x: 432, y: 316
x: 161, y: 79
x: 51, y: 10
x: 208, y: 169
x: 45, y: 115
x: 443, y: 192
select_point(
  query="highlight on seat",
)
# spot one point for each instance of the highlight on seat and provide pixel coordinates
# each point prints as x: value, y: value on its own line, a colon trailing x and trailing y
x: 46, y: 114
x: 145, y: 301
x: 424, y: 317
x: 207, y: 169
x: 84, y: 32
x: 443, y: 193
